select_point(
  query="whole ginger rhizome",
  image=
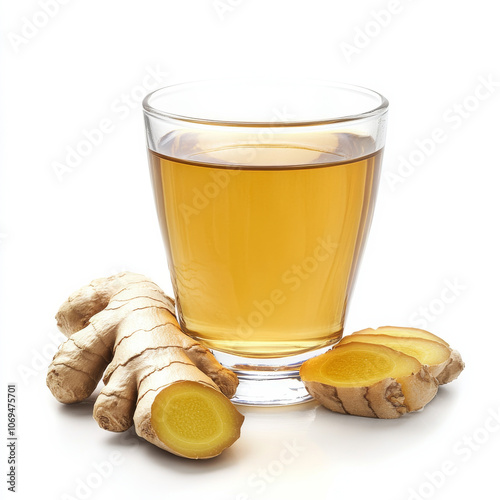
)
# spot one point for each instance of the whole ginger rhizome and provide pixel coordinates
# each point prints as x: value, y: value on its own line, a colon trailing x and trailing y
x: 157, y: 378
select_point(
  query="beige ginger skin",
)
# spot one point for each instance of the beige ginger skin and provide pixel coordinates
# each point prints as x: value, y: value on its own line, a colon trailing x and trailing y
x: 174, y: 391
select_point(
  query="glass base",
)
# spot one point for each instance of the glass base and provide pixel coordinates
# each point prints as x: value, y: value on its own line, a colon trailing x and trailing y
x: 269, y: 381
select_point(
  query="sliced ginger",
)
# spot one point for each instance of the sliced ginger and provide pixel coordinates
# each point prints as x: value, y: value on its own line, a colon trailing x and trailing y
x: 444, y: 363
x: 436, y: 356
x: 381, y: 373
x: 401, y: 331
x: 167, y: 384
x: 369, y: 380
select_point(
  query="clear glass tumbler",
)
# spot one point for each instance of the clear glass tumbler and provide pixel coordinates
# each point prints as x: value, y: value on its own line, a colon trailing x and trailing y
x: 265, y: 192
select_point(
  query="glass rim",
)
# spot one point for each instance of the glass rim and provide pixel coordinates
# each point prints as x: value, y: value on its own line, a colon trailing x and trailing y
x: 151, y: 110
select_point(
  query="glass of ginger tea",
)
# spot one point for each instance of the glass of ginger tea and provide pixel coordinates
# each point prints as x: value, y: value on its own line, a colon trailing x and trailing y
x: 265, y: 192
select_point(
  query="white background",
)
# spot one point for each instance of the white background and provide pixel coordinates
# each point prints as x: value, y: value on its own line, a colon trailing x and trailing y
x: 435, y: 232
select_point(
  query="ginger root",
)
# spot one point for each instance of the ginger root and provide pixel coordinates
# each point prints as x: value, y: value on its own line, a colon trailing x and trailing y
x: 382, y: 373
x: 167, y: 384
x: 368, y: 380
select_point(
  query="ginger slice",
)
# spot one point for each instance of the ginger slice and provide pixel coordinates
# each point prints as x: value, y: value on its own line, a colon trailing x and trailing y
x: 368, y: 380
x: 436, y: 356
x: 401, y: 331
x: 445, y: 371
x: 125, y: 325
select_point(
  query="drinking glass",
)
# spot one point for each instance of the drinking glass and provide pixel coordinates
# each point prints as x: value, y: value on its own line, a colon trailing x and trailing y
x: 265, y: 192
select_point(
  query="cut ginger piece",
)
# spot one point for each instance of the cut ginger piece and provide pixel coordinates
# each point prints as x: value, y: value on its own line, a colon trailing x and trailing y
x: 401, y: 331
x: 368, y: 380
x: 194, y: 420
x: 425, y: 346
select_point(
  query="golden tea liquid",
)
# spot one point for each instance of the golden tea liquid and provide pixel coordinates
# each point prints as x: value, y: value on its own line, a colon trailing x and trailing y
x: 263, y: 238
